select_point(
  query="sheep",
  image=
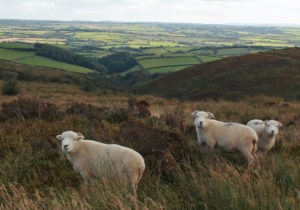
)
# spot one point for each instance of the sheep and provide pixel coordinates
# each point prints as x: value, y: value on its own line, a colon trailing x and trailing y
x: 229, y: 137
x: 266, y: 131
x: 91, y: 158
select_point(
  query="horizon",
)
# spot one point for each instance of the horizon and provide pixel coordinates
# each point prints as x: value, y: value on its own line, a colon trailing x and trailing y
x: 158, y: 22
x: 219, y: 12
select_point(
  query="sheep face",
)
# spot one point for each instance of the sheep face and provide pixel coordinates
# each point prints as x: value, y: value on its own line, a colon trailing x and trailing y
x: 202, y: 118
x: 69, y: 141
x: 272, y: 126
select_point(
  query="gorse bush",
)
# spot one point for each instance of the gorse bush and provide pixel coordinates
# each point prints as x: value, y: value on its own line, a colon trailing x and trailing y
x: 10, y: 87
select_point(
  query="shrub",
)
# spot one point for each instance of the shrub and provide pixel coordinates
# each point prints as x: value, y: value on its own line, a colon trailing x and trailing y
x: 161, y: 149
x: 87, y: 87
x: 10, y: 87
x: 22, y: 108
x: 117, y: 115
x: 88, y: 111
x: 138, y: 109
x: 26, y: 76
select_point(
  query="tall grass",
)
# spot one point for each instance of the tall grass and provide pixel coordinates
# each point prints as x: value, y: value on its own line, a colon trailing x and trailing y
x: 34, y: 174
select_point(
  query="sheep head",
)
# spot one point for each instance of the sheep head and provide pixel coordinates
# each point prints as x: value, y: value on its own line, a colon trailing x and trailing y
x: 272, y: 127
x: 69, y: 140
x: 202, y: 118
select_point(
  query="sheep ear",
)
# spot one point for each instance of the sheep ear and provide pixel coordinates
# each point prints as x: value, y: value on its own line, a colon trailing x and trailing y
x: 59, y: 137
x: 79, y: 136
x: 194, y: 114
x: 210, y: 115
x: 279, y: 124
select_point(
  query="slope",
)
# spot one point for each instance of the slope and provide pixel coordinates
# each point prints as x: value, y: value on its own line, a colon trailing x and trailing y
x: 271, y: 73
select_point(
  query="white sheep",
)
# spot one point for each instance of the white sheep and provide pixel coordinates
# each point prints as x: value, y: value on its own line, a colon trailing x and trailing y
x: 91, y: 158
x: 266, y: 131
x: 229, y: 137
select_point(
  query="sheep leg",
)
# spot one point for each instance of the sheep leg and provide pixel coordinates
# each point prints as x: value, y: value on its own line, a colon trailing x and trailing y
x: 257, y: 160
x: 211, y: 144
x: 86, y: 182
x: 85, y: 178
x: 261, y: 154
x: 199, y: 137
x: 249, y: 157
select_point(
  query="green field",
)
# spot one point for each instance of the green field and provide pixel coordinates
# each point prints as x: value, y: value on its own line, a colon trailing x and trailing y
x: 168, y: 61
x: 14, y: 55
x: 47, y: 62
x: 205, y: 59
x: 135, y: 68
x: 15, y: 45
x: 167, y: 69
x: 28, y: 57
x: 233, y: 51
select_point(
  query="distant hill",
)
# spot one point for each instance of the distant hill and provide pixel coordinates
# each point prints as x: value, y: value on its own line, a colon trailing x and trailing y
x: 270, y: 73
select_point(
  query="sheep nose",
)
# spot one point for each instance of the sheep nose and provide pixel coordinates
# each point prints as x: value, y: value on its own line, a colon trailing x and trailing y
x: 272, y: 132
x: 201, y: 123
x: 65, y: 147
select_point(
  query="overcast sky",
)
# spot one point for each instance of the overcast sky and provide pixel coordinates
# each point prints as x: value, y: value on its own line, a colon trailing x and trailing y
x: 186, y: 11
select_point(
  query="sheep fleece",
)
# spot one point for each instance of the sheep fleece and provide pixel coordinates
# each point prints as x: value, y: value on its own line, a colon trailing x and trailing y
x: 93, y: 158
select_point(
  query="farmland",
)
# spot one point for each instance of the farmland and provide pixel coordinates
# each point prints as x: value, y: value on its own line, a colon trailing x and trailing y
x: 29, y: 57
x: 47, y: 62
x: 98, y: 39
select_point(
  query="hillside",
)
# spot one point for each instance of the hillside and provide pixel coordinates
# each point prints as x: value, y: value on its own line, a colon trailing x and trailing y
x: 271, y: 73
x: 30, y: 73
x: 35, y: 174
x: 30, y: 58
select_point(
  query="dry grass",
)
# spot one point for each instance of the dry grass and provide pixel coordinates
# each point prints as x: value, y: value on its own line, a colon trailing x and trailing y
x: 34, y: 174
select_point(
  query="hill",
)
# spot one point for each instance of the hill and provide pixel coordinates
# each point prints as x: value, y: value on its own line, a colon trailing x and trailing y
x: 271, y: 73
x: 30, y: 73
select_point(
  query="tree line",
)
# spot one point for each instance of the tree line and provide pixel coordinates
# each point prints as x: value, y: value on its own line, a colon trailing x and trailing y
x: 115, y: 63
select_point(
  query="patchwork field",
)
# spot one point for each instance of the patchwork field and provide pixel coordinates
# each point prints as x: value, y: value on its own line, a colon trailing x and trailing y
x: 98, y: 39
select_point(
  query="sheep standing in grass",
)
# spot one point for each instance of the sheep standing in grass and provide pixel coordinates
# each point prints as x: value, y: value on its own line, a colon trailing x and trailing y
x: 266, y: 132
x: 229, y: 137
x: 91, y: 158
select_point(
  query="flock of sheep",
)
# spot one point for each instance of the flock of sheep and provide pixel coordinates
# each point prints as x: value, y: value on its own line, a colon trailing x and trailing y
x: 91, y: 158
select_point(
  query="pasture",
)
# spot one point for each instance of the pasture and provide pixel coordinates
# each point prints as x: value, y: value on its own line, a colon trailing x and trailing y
x: 14, y: 55
x: 29, y: 57
x: 47, y: 62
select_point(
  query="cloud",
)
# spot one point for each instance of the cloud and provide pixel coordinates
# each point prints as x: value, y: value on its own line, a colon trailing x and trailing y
x: 195, y: 11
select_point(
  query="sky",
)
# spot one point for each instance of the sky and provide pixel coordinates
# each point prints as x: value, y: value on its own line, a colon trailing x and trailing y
x: 282, y: 12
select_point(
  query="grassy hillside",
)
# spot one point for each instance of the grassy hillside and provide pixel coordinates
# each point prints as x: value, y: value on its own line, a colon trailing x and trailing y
x: 29, y: 57
x: 35, y: 174
x: 270, y: 73
x: 47, y: 62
